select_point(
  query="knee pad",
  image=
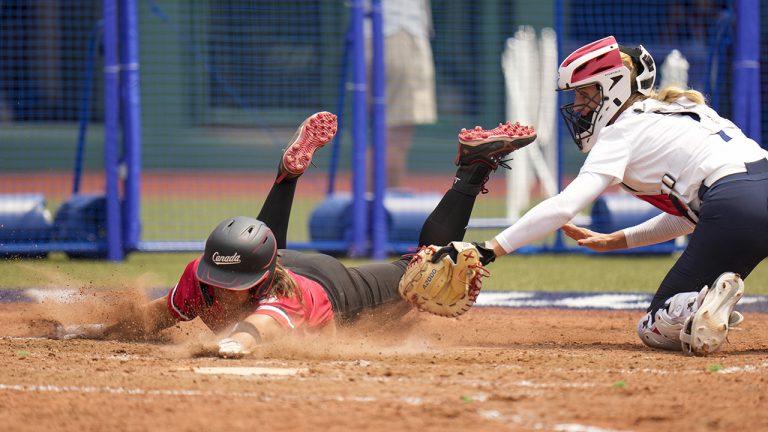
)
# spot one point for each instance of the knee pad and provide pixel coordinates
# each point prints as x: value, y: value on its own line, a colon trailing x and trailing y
x: 662, y: 328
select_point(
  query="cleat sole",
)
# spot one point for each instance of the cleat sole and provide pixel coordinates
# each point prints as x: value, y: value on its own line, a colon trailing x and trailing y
x: 315, y: 132
x: 516, y: 134
x: 709, y: 327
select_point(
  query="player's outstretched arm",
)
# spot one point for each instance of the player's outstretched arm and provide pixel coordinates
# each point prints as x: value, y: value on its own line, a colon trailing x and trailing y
x: 146, y: 321
x: 156, y: 316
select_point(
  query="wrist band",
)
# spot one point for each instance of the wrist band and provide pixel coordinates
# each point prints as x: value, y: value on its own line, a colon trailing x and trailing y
x: 247, y: 327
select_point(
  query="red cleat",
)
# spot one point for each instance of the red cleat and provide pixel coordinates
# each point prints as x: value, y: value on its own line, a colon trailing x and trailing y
x: 490, y: 146
x: 315, y: 132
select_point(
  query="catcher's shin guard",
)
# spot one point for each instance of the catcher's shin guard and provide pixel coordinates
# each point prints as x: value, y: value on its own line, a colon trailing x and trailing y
x: 489, y: 147
x: 316, y: 131
x: 705, y: 331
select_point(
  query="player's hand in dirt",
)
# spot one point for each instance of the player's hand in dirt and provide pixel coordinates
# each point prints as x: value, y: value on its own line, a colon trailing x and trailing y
x: 243, y: 340
x: 595, y: 241
x: 123, y: 331
x: 231, y: 348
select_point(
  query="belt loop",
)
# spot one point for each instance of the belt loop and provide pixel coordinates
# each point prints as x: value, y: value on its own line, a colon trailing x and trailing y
x: 757, y: 167
x: 702, y: 191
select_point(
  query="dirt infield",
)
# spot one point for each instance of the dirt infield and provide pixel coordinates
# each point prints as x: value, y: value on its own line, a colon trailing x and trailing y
x: 490, y: 370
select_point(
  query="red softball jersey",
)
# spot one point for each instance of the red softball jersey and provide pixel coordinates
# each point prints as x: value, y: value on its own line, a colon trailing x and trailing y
x: 307, y: 312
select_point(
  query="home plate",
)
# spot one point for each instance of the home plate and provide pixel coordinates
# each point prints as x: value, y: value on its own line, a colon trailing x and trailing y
x: 247, y: 371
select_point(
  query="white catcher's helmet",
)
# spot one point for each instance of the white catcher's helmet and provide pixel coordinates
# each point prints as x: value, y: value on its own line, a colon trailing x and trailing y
x: 599, y: 63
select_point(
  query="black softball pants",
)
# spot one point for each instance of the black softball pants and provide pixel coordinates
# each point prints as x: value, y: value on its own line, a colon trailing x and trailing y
x: 352, y: 290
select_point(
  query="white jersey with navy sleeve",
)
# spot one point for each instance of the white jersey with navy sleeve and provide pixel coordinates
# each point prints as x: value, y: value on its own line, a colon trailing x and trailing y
x: 650, y: 139
x: 685, y: 141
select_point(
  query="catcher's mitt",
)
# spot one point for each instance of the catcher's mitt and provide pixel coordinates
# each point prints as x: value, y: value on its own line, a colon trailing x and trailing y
x: 446, y: 287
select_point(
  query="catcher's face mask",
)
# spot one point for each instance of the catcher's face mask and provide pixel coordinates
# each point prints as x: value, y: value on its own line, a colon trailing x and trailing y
x: 597, y: 65
x: 580, y: 114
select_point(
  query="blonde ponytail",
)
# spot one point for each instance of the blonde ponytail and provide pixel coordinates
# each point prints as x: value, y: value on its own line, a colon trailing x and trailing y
x: 669, y: 93
x: 672, y: 93
x: 283, y: 285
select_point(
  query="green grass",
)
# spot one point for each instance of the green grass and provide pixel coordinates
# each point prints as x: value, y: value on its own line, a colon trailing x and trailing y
x: 592, y: 273
x: 514, y: 273
x: 192, y: 219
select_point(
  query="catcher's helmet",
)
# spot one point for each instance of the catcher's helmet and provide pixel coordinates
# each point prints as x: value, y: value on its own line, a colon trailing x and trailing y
x: 240, y: 254
x: 599, y: 63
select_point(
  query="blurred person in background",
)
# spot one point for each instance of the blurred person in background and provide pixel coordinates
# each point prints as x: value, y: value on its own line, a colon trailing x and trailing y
x: 410, y: 79
x: 669, y: 148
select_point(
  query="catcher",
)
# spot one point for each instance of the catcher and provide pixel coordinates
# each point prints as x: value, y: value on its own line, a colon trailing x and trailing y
x: 251, y: 289
x: 666, y: 147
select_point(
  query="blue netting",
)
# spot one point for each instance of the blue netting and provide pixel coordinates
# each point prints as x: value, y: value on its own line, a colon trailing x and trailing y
x: 49, y: 95
x: 700, y: 30
x: 224, y: 83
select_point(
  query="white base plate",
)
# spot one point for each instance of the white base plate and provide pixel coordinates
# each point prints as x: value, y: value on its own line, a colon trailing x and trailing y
x: 246, y: 371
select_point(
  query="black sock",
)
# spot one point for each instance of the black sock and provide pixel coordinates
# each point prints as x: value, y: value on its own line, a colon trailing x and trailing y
x: 448, y: 221
x: 276, y: 210
x: 470, y: 179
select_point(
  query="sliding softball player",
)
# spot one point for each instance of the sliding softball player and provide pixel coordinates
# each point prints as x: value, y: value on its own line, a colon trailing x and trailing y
x: 247, y: 287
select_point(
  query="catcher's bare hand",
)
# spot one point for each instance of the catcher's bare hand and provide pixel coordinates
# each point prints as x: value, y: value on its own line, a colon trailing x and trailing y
x: 595, y: 241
